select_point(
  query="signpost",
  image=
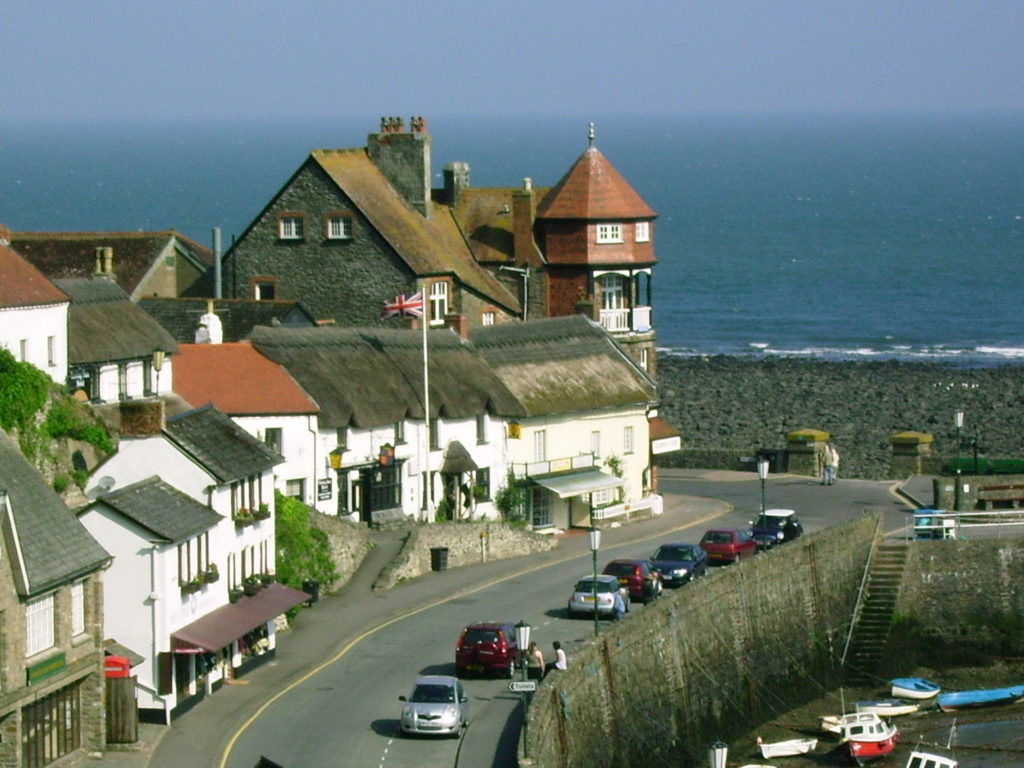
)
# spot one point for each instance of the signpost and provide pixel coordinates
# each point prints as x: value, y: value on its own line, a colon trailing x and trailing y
x: 522, y: 686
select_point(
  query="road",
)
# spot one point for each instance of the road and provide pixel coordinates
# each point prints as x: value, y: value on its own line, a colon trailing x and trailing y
x: 345, y: 711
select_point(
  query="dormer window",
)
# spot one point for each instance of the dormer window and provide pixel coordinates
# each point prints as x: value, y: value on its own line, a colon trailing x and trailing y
x: 643, y: 231
x: 290, y: 227
x: 609, y: 233
x: 438, y: 302
x: 339, y: 227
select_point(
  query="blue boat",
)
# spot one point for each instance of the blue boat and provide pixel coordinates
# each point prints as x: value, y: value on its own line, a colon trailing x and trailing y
x: 986, y: 697
x: 914, y: 688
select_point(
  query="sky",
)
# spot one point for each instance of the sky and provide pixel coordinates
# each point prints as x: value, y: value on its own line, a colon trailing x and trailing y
x: 253, y: 59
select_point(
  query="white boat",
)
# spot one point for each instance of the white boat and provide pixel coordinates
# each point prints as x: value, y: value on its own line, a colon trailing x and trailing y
x: 832, y: 723
x: 888, y: 707
x: 786, y: 748
x: 929, y: 760
x: 914, y: 688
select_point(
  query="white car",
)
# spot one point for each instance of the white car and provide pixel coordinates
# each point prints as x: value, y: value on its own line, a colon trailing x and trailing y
x: 437, y: 705
x: 589, y: 595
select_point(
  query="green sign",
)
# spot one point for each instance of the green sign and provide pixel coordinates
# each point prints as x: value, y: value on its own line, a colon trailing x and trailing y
x: 45, y: 669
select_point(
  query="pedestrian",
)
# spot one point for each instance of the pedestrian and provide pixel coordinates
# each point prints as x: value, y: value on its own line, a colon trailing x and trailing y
x: 830, y: 458
x: 534, y: 662
x: 619, y: 605
x: 561, y: 663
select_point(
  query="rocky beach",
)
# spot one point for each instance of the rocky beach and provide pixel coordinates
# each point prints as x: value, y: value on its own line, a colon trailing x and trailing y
x: 733, y: 406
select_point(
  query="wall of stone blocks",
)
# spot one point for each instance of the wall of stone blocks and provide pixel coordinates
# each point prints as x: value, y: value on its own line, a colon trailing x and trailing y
x: 743, y: 644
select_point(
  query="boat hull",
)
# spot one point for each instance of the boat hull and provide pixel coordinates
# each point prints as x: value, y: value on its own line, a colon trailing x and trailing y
x: 988, y: 697
x: 864, y: 752
x: 916, y: 688
x: 888, y: 707
x: 789, y: 748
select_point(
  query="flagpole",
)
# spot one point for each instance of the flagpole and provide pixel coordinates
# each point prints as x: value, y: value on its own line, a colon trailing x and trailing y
x: 426, y: 405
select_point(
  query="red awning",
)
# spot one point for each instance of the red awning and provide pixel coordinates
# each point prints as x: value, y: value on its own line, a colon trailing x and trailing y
x: 229, y: 622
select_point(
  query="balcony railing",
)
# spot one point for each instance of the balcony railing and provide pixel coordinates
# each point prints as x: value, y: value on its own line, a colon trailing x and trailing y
x: 540, y: 468
x: 617, y: 320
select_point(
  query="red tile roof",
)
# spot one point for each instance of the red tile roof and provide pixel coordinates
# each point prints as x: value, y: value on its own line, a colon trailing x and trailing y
x: 22, y: 285
x: 592, y: 189
x: 237, y: 380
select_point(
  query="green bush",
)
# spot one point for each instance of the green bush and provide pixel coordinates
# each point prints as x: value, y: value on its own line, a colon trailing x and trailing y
x: 303, y: 552
x: 23, y: 392
x: 64, y: 420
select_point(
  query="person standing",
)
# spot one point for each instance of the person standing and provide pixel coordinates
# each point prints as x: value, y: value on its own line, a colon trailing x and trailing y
x: 534, y: 662
x: 831, y: 460
x: 619, y: 605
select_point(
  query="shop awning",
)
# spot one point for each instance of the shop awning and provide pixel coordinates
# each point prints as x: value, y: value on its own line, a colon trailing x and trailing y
x: 229, y: 622
x: 577, y: 483
x: 664, y: 437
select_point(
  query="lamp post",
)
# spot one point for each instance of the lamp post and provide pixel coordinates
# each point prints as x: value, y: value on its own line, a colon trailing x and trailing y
x: 762, y: 472
x: 958, y: 422
x: 158, y: 364
x: 523, y: 642
x: 717, y: 754
x: 595, y: 544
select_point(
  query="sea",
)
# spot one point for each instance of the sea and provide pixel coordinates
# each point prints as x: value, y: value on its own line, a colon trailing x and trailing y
x: 834, y: 237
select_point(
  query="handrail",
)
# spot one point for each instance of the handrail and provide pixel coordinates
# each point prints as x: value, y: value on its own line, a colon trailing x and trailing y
x: 860, y: 592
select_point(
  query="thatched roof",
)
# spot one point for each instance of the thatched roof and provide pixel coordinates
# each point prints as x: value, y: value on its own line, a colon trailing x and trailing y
x: 105, y: 326
x: 563, y: 365
x: 369, y: 377
x: 180, y: 316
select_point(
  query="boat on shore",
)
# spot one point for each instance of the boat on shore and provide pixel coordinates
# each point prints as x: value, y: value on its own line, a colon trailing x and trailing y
x: 868, y: 736
x: 789, y: 748
x: 983, y: 697
x: 916, y: 688
x: 919, y: 759
x: 888, y: 707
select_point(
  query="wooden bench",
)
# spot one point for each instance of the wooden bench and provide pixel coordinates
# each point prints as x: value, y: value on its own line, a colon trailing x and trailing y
x: 990, y: 494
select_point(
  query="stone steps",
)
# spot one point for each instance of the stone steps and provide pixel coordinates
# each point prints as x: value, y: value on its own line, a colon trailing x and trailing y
x: 874, y: 621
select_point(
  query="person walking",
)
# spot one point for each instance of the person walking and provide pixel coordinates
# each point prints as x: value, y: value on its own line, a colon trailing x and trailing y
x: 561, y: 663
x: 830, y: 458
x: 534, y: 662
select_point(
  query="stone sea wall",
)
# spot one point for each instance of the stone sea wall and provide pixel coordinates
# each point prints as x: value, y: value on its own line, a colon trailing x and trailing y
x: 728, y: 407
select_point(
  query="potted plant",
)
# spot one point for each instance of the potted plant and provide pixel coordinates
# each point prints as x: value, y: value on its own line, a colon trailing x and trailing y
x: 262, y: 512
x: 235, y: 594
x: 243, y: 516
x: 211, y: 574
x: 252, y: 584
x: 191, y: 586
x: 266, y: 579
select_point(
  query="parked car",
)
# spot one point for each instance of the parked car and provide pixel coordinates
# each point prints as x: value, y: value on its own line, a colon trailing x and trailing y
x: 728, y: 545
x: 775, y: 526
x: 581, y: 601
x: 640, y: 577
x: 678, y: 563
x: 487, y: 647
x: 437, y: 705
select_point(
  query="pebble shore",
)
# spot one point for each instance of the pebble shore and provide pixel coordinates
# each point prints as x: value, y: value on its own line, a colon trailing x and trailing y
x: 737, y: 404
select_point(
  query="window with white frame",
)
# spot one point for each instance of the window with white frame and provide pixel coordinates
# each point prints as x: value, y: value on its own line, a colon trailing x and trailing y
x: 339, y: 227
x: 400, y: 432
x: 77, y: 608
x: 290, y: 227
x: 613, y: 291
x: 645, y: 358
x: 23, y: 351
x: 481, y: 428
x: 609, y: 233
x: 602, y: 497
x: 627, y: 439
x: 295, y: 488
x: 273, y: 439
x: 487, y: 318
x: 39, y: 625
x: 438, y: 302
x: 540, y: 445
x: 595, y: 442
x: 51, y: 351
x: 540, y: 508
x: 643, y: 231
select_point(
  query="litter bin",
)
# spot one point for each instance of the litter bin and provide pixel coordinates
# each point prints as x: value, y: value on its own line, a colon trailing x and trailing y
x: 312, y: 588
x: 438, y: 558
x: 778, y: 459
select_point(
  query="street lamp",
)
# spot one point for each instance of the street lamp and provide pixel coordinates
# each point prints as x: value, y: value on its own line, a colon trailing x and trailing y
x: 958, y: 422
x: 523, y: 641
x: 595, y: 544
x: 762, y: 472
x: 717, y: 754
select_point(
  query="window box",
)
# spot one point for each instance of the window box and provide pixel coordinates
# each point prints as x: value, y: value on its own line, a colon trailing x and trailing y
x: 191, y: 586
x: 235, y: 594
x: 211, y: 574
x: 262, y: 512
x: 252, y: 584
x: 243, y: 517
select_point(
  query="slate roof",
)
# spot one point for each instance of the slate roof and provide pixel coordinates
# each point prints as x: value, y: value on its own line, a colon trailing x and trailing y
x: 369, y: 377
x: 429, y: 247
x: 592, y: 189
x: 563, y: 365
x: 23, y: 285
x: 485, y: 215
x: 73, y: 254
x: 169, y: 515
x: 180, y: 317
x: 55, y: 547
x: 237, y: 380
x: 219, y: 445
x: 104, y: 325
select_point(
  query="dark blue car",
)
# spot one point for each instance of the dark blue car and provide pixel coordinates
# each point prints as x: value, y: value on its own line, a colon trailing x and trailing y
x: 680, y: 562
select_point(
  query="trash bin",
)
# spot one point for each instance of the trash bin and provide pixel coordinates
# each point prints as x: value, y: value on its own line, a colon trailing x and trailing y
x: 438, y: 558
x: 778, y: 459
x: 312, y: 588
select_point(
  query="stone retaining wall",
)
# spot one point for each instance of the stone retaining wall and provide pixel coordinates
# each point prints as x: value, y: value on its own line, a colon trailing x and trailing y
x: 349, y: 543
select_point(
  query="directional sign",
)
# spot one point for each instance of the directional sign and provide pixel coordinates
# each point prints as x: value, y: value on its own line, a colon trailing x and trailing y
x: 521, y: 686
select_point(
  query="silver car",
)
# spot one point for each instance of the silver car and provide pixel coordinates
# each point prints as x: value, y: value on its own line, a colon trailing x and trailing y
x: 437, y: 705
x: 582, y: 600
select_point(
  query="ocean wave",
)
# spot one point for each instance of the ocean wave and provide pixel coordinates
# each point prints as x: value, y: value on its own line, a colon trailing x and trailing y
x: 981, y: 355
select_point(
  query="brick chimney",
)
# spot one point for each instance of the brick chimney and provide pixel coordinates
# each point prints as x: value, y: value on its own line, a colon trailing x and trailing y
x: 524, y: 213
x: 457, y: 324
x: 456, y: 179
x: 141, y: 418
x: 403, y: 156
x: 104, y: 261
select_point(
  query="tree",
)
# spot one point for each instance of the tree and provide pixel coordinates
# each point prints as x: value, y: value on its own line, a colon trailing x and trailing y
x: 303, y: 552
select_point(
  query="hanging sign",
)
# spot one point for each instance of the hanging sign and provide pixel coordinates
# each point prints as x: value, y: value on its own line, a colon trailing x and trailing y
x: 323, y: 489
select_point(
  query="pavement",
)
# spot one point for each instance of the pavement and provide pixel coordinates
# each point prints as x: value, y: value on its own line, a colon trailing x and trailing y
x: 200, y: 736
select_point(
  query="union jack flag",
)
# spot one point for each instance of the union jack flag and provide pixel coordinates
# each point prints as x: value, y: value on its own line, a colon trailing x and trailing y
x: 404, y: 306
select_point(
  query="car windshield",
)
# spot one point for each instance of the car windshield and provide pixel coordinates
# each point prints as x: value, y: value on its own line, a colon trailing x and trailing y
x: 620, y: 569
x: 675, y: 553
x: 476, y: 636
x: 587, y: 585
x: 769, y: 521
x: 718, y: 537
x: 433, y: 693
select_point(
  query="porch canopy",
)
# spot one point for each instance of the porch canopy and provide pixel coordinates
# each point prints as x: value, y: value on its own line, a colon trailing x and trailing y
x: 578, y: 483
x: 226, y: 624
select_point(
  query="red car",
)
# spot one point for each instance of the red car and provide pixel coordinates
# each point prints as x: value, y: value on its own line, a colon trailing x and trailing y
x: 487, y: 647
x: 728, y: 545
x: 640, y: 577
